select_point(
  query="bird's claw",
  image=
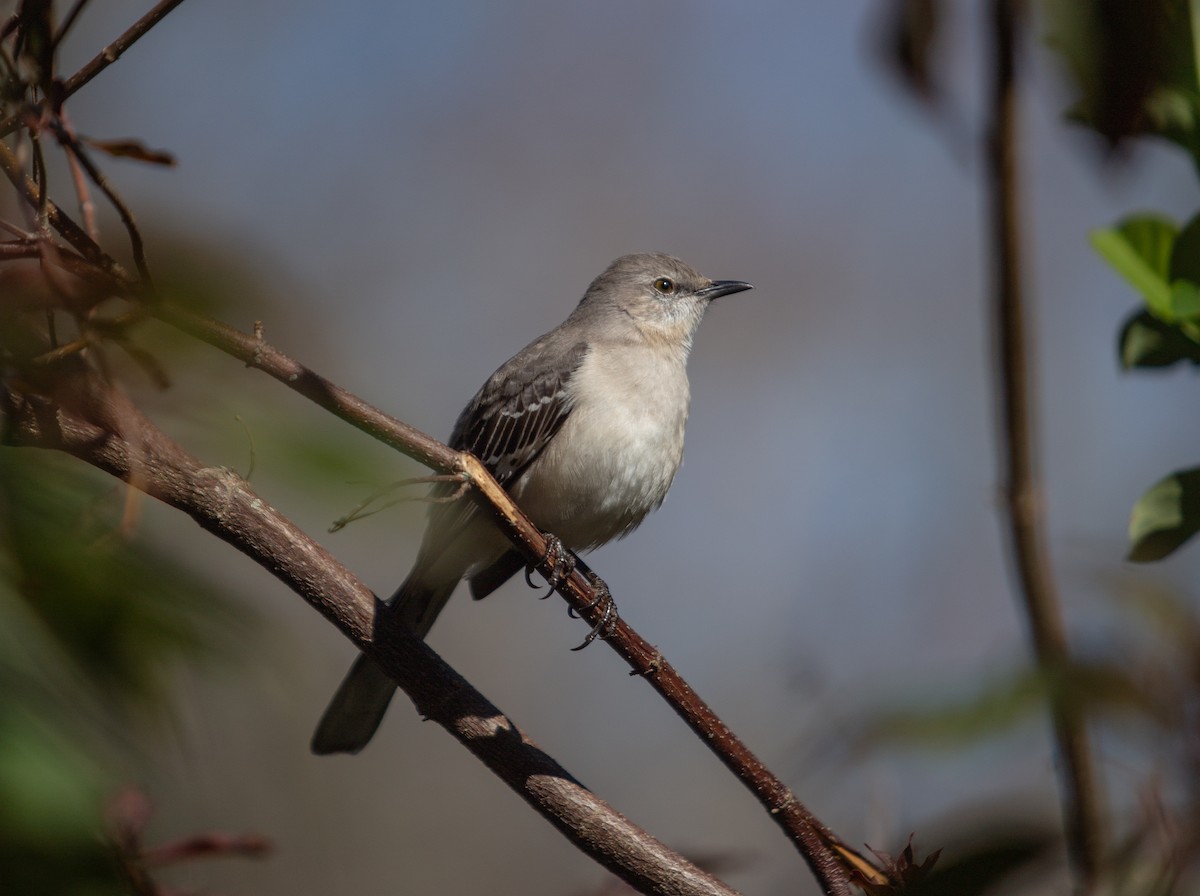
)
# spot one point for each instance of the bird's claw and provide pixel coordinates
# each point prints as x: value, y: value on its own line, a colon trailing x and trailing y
x: 561, y: 561
x: 608, y: 615
x: 529, y: 570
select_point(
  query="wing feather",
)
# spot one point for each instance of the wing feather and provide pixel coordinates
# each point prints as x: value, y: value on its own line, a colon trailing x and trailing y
x: 510, y: 421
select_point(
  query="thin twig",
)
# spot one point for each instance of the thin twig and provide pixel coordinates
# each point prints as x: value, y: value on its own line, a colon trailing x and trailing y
x: 75, y: 235
x: 360, y: 510
x: 16, y: 231
x: 68, y: 21
x: 76, y: 150
x: 104, y: 58
x: 1081, y: 797
x: 39, y: 178
x: 87, y: 208
x: 20, y: 249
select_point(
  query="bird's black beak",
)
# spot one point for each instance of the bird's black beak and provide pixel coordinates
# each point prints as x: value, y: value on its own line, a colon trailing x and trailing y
x: 719, y: 288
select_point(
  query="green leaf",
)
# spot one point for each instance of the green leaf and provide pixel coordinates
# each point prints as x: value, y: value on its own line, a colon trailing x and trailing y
x: 1185, y: 253
x: 1133, y: 65
x: 1174, y: 114
x: 119, y: 608
x: 1139, y: 248
x: 1185, y: 301
x: 1165, y: 517
x: 1146, y: 342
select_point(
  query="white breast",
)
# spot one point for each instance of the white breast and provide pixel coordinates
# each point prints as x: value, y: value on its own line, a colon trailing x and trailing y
x: 615, y: 457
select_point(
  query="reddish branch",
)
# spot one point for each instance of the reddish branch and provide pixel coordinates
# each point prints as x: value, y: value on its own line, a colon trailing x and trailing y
x: 825, y: 853
x: 1081, y: 800
x: 81, y: 415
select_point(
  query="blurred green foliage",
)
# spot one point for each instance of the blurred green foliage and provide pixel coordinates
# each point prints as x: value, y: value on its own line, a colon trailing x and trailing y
x: 92, y: 622
x: 1135, y: 66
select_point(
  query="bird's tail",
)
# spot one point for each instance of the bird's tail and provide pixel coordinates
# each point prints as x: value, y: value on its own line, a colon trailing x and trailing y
x: 362, y: 698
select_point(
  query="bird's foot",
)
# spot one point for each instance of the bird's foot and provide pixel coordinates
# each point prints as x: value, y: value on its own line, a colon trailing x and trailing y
x: 561, y: 561
x: 608, y: 613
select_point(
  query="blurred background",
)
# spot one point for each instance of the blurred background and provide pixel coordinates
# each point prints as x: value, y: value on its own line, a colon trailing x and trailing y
x: 405, y: 194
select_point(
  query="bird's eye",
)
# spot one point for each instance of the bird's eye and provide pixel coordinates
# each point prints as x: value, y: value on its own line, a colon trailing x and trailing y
x: 665, y: 285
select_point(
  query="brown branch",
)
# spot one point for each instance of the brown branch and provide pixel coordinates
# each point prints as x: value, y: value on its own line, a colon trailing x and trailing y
x: 100, y: 425
x: 1081, y: 797
x: 113, y: 51
x: 104, y: 58
x: 75, y: 235
x: 68, y: 21
x: 833, y: 863
x: 76, y: 153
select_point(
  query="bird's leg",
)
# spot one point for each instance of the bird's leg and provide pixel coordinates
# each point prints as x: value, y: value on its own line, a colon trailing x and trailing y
x: 608, y: 616
x: 562, y: 564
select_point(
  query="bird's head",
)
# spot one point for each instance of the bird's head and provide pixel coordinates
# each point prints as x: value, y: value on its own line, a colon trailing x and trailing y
x: 659, y: 296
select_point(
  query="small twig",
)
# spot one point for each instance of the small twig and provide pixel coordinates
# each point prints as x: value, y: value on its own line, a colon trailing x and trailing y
x: 74, y: 347
x: 113, y: 51
x: 249, y: 441
x: 20, y: 249
x: 1081, y: 797
x: 361, y: 512
x: 75, y: 235
x: 9, y: 26
x: 16, y: 231
x: 76, y: 150
x: 68, y: 21
x: 104, y: 58
x: 87, y: 208
x: 43, y: 189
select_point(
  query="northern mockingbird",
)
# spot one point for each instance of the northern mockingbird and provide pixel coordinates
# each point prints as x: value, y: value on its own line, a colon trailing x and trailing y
x: 583, y: 427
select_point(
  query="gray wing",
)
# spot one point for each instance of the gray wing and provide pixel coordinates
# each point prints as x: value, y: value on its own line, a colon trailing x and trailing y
x: 510, y: 421
x: 519, y: 410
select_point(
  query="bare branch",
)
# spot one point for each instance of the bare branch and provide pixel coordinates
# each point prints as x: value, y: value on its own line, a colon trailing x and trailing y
x: 75, y: 235
x: 830, y: 859
x: 1081, y: 798
x: 101, y: 426
x: 76, y: 152
x: 68, y: 21
x: 104, y: 58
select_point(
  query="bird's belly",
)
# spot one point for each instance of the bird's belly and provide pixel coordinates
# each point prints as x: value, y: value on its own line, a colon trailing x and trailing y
x: 608, y: 481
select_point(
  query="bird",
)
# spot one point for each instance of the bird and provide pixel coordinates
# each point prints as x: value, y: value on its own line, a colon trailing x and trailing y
x: 584, y: 428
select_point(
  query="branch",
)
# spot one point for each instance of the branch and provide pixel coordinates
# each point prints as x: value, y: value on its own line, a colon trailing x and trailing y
x: 100, y: 425
x: 75, y: 235
x: 833, y: 863
x: 1081, y: 798
x: 104, y: 58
